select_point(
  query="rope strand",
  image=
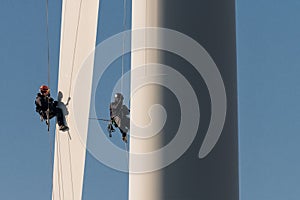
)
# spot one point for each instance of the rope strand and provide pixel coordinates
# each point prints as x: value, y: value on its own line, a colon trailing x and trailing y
x: 123, y: 50
x: 48, y: 110
x: 48, y: 41
x: 146, y: 50
x: 51, y: 164
x: 101, y: 119
x: 75, y: 46
x: 70, y: 88
x: 127, y: 154
x: 59, y: 168
x: 48, y: 60
x: 70, y: 160
x: 124, y: 29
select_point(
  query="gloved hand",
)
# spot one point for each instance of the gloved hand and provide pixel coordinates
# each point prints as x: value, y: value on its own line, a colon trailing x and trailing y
x: 110, y: 129
x: 42, y: 114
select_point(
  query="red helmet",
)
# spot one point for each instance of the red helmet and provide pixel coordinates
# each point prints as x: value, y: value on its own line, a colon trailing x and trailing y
x: 44, y: 89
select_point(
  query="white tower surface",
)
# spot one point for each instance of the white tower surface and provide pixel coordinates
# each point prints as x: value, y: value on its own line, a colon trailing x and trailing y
x: 213, y: 176
x: 78, y: 39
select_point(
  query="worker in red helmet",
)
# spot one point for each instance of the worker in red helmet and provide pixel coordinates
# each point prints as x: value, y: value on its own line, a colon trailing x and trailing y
x: 119, y: 116
x: 44, y: 103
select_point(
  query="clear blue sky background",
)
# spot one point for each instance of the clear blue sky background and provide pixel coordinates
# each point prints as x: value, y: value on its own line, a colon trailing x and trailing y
x: 268, y: 41
x: 268, y: 44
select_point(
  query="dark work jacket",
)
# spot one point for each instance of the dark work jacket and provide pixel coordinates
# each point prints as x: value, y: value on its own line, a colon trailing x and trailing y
x: 118, y: 109
x: 42, y: 103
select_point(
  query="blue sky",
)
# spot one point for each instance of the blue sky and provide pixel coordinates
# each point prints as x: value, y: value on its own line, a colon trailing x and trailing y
x: 268, y: 41
x: 25, y: 168
x: 268, y: 47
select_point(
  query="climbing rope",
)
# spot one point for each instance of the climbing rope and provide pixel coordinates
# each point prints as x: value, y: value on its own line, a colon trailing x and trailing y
x: 48, y: 59
x: 101, y: 119
x: 127, y: 154
x: 146, y: 35
x: 48, y: 110
x: 123, y: 52
x: 70, y: 89
x: 75, y: 46
x: 59, y: 168
x: 58, y: 151
x: 70, y: 160
x: 123, y: 40
x: 48, y: 41
x: 51, y: 162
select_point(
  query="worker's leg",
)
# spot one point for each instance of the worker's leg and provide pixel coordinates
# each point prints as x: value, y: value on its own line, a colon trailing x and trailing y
x: 60, y: 119
x: 59, y: 116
